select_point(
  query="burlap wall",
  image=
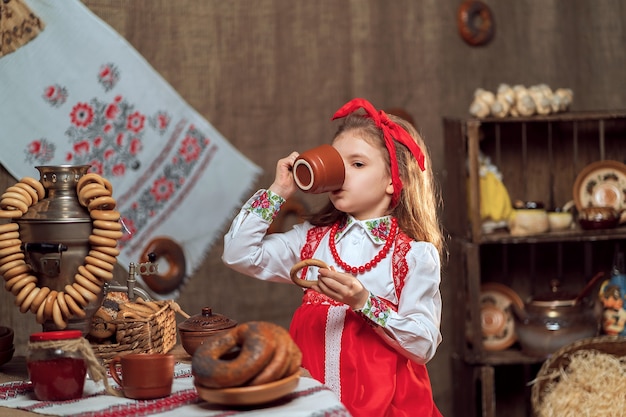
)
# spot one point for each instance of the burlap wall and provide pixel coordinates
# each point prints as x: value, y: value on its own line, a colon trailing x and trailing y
x: 268, y: 74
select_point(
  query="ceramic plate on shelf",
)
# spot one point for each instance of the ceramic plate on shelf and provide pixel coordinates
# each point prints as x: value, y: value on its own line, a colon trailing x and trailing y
x: 601, y: 184
x: 496, y: 315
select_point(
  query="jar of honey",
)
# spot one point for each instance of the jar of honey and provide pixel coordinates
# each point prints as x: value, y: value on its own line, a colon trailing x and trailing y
x: 56, y: 366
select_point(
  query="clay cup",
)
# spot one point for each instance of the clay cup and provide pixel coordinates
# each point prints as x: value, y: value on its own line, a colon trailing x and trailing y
x: 319, y: 170
x: 144, y: 375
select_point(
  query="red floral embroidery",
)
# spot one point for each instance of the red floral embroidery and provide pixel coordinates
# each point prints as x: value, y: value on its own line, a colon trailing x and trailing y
x: 190, y: 149
x: 135, y: 122
x: 82, y: 115
x: 162, y: 189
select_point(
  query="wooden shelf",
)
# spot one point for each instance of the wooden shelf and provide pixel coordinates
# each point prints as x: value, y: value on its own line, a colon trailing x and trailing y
x: 539, y: 158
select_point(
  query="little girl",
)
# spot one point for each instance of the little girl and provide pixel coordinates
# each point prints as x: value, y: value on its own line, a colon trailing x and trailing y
x: 371, y: 322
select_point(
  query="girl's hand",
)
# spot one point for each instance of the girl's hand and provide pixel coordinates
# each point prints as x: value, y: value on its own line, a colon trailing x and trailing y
x: 342, y: 287
x: 284, y: 184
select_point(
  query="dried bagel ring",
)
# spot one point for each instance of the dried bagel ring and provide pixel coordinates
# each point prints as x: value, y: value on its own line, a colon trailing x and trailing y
x: 82, y: 270
x: 107, y: 225
x: 88, y: 295
x: 8, y: 203
x: 50, y: 299
x: 102, y: 241
x: 11, y: 258
x: 20, y: 282
x: 9, y: 265
x: 40, y: 315
x: 107, y: 250
x: 39, y: 299
x: 88, y: 285
x: 65, y: 311
x: 10, y: 214
x: 36, y: 185
x: 10, y: 250
x: 17, y: 270
x: 91, y: 192
x: 103, y: 256
x: 29, y: 190
x: 108, y: 215
x: 74, y: 308
x: 9, y: 227
x: 297, y: 267
x: 88, y: 178
x: 172, y: 252
x: 70, y: 290
x: 102, y: 203
x: 23, y: 293
x: 103, y: 274
x: 90, y: 260
x: 57, y: 315
x: 10, y: 243
x: 111, y: 234
x: 9, y: 238
x: 18, y: 196
x: 475, y: 22
x: 28, y: 301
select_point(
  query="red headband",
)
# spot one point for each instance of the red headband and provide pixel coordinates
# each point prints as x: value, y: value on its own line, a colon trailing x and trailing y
x: 391, y: 132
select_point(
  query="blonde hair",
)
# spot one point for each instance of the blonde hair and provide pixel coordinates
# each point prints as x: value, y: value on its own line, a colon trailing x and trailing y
x: 417, y: 210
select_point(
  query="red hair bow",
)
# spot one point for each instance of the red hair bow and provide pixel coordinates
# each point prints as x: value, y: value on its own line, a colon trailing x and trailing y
x: 391, y: 132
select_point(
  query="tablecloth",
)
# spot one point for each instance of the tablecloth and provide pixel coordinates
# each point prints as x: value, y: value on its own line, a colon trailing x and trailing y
x: 80, y: 94
x: 310, y: 398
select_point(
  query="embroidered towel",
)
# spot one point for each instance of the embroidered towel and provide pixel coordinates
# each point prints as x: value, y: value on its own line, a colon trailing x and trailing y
x: 79, y: 93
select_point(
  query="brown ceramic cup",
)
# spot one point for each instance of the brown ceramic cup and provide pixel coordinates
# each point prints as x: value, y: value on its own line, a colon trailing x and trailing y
x: 319, y: 170
x: 144, y: 375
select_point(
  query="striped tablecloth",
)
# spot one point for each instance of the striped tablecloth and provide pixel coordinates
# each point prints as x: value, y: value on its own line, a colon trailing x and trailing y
x: 310, y: 398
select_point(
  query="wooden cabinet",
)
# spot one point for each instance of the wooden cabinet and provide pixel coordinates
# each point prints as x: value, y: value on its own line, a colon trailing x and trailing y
x: 540, y: 158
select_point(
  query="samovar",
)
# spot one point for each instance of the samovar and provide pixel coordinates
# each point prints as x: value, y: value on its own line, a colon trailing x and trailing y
x: 55, y: 235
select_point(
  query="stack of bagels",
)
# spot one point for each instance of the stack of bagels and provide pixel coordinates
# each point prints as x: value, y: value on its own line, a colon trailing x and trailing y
x: 249, y: 354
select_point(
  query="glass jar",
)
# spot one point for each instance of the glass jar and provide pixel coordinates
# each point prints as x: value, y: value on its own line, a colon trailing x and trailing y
x: 56, y: 366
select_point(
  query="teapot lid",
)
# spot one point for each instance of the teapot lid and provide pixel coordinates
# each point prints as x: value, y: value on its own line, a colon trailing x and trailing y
x: 555, y: 297
x: 206, y: 321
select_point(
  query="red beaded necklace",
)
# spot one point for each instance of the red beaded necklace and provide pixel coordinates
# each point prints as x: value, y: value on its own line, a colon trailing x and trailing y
x: 369, y: 265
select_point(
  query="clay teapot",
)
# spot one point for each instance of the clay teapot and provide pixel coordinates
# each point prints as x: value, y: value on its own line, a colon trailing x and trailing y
x: 552, y: 320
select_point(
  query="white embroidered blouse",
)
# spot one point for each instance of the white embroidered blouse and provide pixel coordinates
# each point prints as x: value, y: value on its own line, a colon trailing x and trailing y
x: 413, y: 329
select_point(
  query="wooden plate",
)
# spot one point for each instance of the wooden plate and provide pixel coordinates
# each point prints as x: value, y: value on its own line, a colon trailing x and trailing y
x: 496, y: 315
x: 257, y: 394
x: 601, y: 184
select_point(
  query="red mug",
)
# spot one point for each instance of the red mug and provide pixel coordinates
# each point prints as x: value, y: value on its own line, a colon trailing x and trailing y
x: 319, y: 170
x: 144, y: 375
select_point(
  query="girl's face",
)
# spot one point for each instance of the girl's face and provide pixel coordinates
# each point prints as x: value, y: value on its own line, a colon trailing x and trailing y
x: 367, y: 189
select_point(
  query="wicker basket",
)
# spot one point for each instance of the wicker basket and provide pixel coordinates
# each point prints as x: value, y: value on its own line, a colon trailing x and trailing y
x: 153, y: 334
x: 612, y: 345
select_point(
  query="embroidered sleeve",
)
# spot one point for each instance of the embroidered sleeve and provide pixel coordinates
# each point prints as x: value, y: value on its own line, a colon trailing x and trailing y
x: 265, y: 204
x: 376, y: 310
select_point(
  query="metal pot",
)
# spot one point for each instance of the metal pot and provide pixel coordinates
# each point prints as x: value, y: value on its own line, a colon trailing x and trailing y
x: 553, y: 320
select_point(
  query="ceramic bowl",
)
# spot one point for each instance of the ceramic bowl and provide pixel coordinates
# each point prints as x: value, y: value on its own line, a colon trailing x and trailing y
x: 6, y: 338
x: 250, y: 395
x: 6, y: 355
x: 560, y: 220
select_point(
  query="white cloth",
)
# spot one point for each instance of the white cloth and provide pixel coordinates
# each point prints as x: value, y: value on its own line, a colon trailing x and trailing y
x: 310, y: 398
x: 413, y: 328
x: 78, y: 93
